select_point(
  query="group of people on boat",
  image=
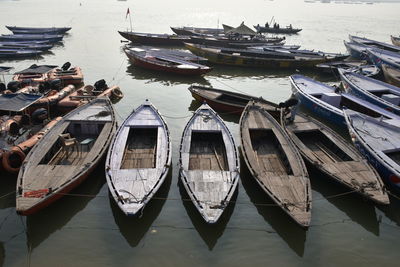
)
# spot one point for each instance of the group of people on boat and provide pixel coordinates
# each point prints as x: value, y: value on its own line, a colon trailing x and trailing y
x: 276, y: 25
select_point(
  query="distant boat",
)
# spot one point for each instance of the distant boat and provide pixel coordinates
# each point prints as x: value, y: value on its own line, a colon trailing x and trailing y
x: 285, y: 30
x: 395, y: 40
x: 52, y: 38
x: 38, y: 30
x: 392, y: 75
x: 378, y: 141
x: 154, y: 38
x: 379, y: 93
x: 162, y: 62
x: 228, y: 101
x: 328, y: 102
x: 335, y: 158
x: 139, y: 159
x: 275, y: 163
x: 65, y: 156
x: 209, y: 163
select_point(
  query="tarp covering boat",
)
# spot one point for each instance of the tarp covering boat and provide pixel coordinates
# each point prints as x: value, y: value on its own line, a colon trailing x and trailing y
x: 4, y: 69
x: 37, y: 69
x: 242, y: 29
x: 17, y: 102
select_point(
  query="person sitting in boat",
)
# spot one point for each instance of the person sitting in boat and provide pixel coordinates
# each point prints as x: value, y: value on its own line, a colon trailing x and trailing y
x: 291, y: 105
x: 266, y: 25
x: 290, y: 26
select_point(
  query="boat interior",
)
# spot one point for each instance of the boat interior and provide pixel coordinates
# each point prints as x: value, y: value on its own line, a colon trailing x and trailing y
x: 207, y: 151
x: 324, y: 149
x: 141, y: 149
x: 394, y: 155
x: 269, y: 152
x: 73, y: 145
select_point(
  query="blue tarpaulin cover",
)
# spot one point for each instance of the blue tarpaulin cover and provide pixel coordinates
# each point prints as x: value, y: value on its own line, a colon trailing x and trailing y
x: 17, y: 102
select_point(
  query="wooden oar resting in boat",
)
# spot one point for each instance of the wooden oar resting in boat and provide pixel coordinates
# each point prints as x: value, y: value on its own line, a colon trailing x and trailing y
x: 65, y: 155
x: 138, y: 159
x: 209, y: 163
x: 275, y: 162
x: 336, y: 158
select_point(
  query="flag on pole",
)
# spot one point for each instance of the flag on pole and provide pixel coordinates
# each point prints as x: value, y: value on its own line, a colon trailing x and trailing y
x: 127, y: 13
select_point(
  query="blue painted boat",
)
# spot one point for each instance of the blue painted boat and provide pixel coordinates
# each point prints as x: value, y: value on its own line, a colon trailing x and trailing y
x: 52, y: 38
x: 12, y: 42
x: 38, y: 30
x: 11, y: 54
x: 24, y: 46
x: 328, y: 102
x: 374, y: 43
x: 379, y: 142
x: 378, y: 56
x: 356, y: 50
x: 382, y: 94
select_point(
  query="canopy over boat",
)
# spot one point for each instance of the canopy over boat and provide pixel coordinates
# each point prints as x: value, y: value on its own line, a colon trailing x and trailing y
x: 242, y: 30
x: 17, y: 102
x: 40, y: 69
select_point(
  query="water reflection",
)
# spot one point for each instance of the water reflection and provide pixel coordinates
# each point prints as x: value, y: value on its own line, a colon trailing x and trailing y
x: 210, y: 233
x: 7, y: 190
x: 291, y: 233
x: 43, y: 224
x: 164, y: 78
x: 133, y: 229
x: 392, y: 211
x: 2, y: 254
x: 353, y: 205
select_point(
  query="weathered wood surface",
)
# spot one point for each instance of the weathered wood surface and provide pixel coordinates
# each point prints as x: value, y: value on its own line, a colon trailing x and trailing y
x: 138, y: 159
x: 335, y: 157
x: 209, y: 164
x: 61, y: 174
x: 275, y: 163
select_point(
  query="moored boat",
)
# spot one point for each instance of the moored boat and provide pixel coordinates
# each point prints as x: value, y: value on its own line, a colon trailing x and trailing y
x: 379, y: 56
x: 35, y: 73
x: 160, y: 62
x: 38, y: 30
x: 154, y: 38
x: 374, y: 44
x: 360, y: 67
x: 335, y: 158
x: 392, y: 75
x: 139, y: 159
x: 275, y: 163
x: 378, y: 141
x: 65, y: 156
x: 67, y: 76
x: 209, y: 163
x: 379, y: 93
x: 12, y: 53
x: 51, y: 38
x: 395, y: 40
x: 197, y: 31
x: 224, y: 41
x: 228, y: 101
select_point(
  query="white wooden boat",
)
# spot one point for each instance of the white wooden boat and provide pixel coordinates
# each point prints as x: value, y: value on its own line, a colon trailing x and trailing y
x: 209, y: 163
x: 138, y: 159
x: 275, y: 162
x: 335, y: 157
x: 379, y: 142
x: 65, y: 155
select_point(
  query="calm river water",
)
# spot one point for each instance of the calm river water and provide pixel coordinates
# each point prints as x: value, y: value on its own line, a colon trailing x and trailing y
x: 89, y: 230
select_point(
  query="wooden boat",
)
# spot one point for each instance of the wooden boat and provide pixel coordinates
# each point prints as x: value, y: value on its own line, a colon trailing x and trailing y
x: 227, y: 101
x: 165, y: 63
x: 395, y: 40
x: 392, y: 75
x: 155, y: 39
x: 183, y: 55
x: 65, y: 156
x: 378, y: 141
x: 51, y: 38
x: 11, y: 54
x: 380, y: 56
x: 379, y: 93
x: 223, y: 41
x: 335, y: 158
x: 35, y: 73
x: 275, y: 163
x: 69, y: 76
x: 328, y: 102
x: 359, y: 66
x: 209, y: 163
x: 25, y: 46
x: 285, y: 30
x: 38, y: 30
x: 356, y: 50
x: 86, y: 94
x: 197, y: 31
x: 374, y: 44
x: 246, y: 58
x: 139, y: 159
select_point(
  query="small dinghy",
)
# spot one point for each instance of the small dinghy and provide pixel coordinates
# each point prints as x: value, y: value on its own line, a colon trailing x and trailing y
x: 209, y: 163
x: 65, y: 156
x: 334, y: 157
x: 138, y: 159
x: 379, y: 142
x: 275, y: 162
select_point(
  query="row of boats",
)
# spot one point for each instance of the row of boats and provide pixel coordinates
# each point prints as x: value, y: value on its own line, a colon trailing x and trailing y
x: 29, y: 41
